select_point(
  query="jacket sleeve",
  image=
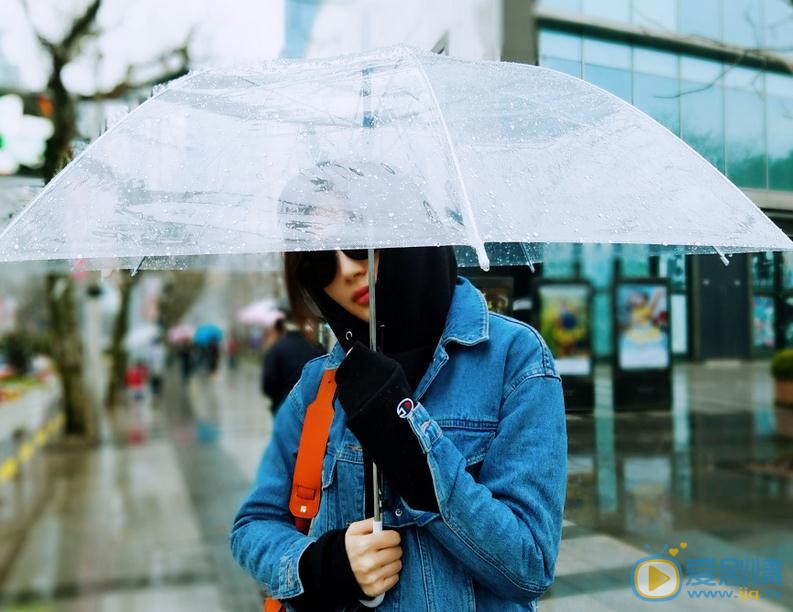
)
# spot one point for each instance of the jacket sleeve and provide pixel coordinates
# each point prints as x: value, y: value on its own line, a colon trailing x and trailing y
x: 263, y: 538
x: 297, y: 569
x: 505, y: 527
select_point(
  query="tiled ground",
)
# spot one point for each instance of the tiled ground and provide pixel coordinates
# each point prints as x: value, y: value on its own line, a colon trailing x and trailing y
x: 143, y: 527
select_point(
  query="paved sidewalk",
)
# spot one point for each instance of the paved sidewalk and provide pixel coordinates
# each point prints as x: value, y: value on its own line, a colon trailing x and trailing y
x: 143, y: 527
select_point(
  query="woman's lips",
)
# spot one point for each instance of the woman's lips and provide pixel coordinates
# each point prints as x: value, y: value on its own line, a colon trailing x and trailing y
x: 361, y: 297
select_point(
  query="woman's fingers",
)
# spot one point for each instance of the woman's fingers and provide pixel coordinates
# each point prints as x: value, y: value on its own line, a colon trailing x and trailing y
x: 387, y: 571
x: 375, y: 558
x: 361, y: 527
x: 386, y: 556
x: 372, y: 541
x: 381, y: 586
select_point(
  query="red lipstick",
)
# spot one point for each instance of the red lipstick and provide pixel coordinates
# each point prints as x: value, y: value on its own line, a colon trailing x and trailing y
x: 361, y: 296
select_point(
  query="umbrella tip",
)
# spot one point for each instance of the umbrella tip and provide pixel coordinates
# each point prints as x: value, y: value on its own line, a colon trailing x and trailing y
x: 484, y: 260
x: 722, y: 256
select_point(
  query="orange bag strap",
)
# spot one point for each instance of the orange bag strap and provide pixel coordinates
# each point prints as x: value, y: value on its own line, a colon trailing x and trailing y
x: 307, y: 479
x: 273, y: 605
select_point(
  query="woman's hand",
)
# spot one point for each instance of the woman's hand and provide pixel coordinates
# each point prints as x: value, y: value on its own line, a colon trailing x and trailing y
x: 375, y: 558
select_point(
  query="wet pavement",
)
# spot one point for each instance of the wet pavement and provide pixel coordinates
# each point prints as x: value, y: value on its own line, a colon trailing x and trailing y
x: 127, y: 526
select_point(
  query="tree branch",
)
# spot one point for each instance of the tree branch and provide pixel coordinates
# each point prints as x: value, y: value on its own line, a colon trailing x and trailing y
x: 168, y: 74
x: 81, y: 27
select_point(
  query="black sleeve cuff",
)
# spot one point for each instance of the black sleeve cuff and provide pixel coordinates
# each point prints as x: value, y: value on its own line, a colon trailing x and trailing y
x: 371, y: 387
x: 390, y: 441
x: 326, y: 575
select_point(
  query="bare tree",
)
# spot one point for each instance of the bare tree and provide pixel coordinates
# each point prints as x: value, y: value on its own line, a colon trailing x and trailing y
x: 180, y: 291
x: 67, y: 346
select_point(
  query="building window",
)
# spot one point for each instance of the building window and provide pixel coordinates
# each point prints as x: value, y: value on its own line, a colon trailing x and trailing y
x: 656, y: 86
x: 743, y: 23
x: 700, y: 18
x: 702, y: 108
x: 608, y: 65
x: 779, y: 107
x: 612, y: 10
x: 744, y: 111
x: 572, y: 6
x: 655, y: 14
x: 778, y: 26
x: 561, y: 52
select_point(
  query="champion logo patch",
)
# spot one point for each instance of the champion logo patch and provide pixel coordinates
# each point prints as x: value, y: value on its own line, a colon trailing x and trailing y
x: 405, y: 407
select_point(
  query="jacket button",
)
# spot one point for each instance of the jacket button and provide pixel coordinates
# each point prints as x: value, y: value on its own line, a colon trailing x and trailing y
x: 398, y: 512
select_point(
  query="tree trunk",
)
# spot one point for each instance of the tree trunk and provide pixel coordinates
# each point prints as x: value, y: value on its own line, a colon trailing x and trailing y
x: 67, y: 346
x: 67, y: 351
x: 59, y: 146
x: 118, y: 354
x: 180, y: 291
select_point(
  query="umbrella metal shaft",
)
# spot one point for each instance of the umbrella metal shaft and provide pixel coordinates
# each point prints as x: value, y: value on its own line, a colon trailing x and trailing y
x: 376, y: 489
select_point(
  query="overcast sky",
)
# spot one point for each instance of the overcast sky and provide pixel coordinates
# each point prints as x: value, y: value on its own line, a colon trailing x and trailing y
x: 135, y: 31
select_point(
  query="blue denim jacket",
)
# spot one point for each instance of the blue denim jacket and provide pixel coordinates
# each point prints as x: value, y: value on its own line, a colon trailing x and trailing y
x: 490, y: 417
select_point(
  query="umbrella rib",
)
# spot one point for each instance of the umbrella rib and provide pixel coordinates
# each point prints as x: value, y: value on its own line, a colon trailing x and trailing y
x: 470, y: 223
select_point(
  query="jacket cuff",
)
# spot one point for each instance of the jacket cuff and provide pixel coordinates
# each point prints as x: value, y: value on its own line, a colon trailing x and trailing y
x: 382, y: 426
x: 326, y: 575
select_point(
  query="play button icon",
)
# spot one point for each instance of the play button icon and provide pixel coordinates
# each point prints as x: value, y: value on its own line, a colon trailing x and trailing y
x: 656, y: 578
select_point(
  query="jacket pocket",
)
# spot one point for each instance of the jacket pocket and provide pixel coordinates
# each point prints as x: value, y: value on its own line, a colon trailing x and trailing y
x: 471, y: 437
x: 349, y: 482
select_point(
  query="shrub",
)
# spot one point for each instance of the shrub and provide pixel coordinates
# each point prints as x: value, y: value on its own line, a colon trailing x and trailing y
x: 20, y: 347
x: 782, y: 365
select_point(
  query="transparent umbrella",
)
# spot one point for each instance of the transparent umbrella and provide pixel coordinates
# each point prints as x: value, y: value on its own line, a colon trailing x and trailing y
x: 448, y: 152
x: 262, y: 313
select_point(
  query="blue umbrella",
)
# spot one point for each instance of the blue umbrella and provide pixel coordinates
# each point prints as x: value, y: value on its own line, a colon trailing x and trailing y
x: 208, y: 334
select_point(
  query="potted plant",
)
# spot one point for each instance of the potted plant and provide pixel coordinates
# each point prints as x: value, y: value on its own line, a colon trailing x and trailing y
x: 782, y: 371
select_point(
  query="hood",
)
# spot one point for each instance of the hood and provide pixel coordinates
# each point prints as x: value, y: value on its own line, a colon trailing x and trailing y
x: 413, y: 292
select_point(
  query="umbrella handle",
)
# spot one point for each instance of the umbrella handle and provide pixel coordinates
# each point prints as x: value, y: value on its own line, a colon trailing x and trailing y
x: 377, y: 527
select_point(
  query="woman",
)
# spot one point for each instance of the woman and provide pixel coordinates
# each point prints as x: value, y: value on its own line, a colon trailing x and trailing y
x: 474, y: 465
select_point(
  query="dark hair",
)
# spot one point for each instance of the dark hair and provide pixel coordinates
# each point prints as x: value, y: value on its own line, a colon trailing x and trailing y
x: 304, y: 309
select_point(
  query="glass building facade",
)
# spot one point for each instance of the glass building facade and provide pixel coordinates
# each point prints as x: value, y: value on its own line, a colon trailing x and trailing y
x: 683, y: 63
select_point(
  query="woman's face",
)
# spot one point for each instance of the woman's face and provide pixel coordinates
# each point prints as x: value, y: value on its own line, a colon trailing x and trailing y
x: 350, y: 287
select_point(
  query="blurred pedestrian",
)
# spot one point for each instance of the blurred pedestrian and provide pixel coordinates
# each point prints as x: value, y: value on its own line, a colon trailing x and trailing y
x: 155, y: 363
x: 233, y: 352
x: 284, y: 360
x: 186, y: 359
x: 462, y: 411
x: 137, y: 425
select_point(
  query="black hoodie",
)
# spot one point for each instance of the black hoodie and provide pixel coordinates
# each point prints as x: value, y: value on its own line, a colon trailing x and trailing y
x: 413, y: 293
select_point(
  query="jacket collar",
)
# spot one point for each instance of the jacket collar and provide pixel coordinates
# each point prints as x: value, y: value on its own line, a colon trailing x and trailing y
x: 467, y: 322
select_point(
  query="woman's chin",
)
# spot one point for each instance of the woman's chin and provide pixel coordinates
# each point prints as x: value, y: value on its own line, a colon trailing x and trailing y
x: 361, y: 312
x: 364, y: 316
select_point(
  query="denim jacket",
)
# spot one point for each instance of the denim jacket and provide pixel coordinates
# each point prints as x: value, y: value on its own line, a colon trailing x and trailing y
x: 490, y: 417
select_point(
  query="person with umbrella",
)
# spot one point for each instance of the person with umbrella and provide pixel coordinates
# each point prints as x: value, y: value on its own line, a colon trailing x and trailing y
x: 463, y: 413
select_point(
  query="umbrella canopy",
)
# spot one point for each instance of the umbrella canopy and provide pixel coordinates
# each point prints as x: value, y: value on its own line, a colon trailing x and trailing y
x: 208, y: 334
x: 180, y: 333
x: 263, y: 313
x: 424, y: 150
